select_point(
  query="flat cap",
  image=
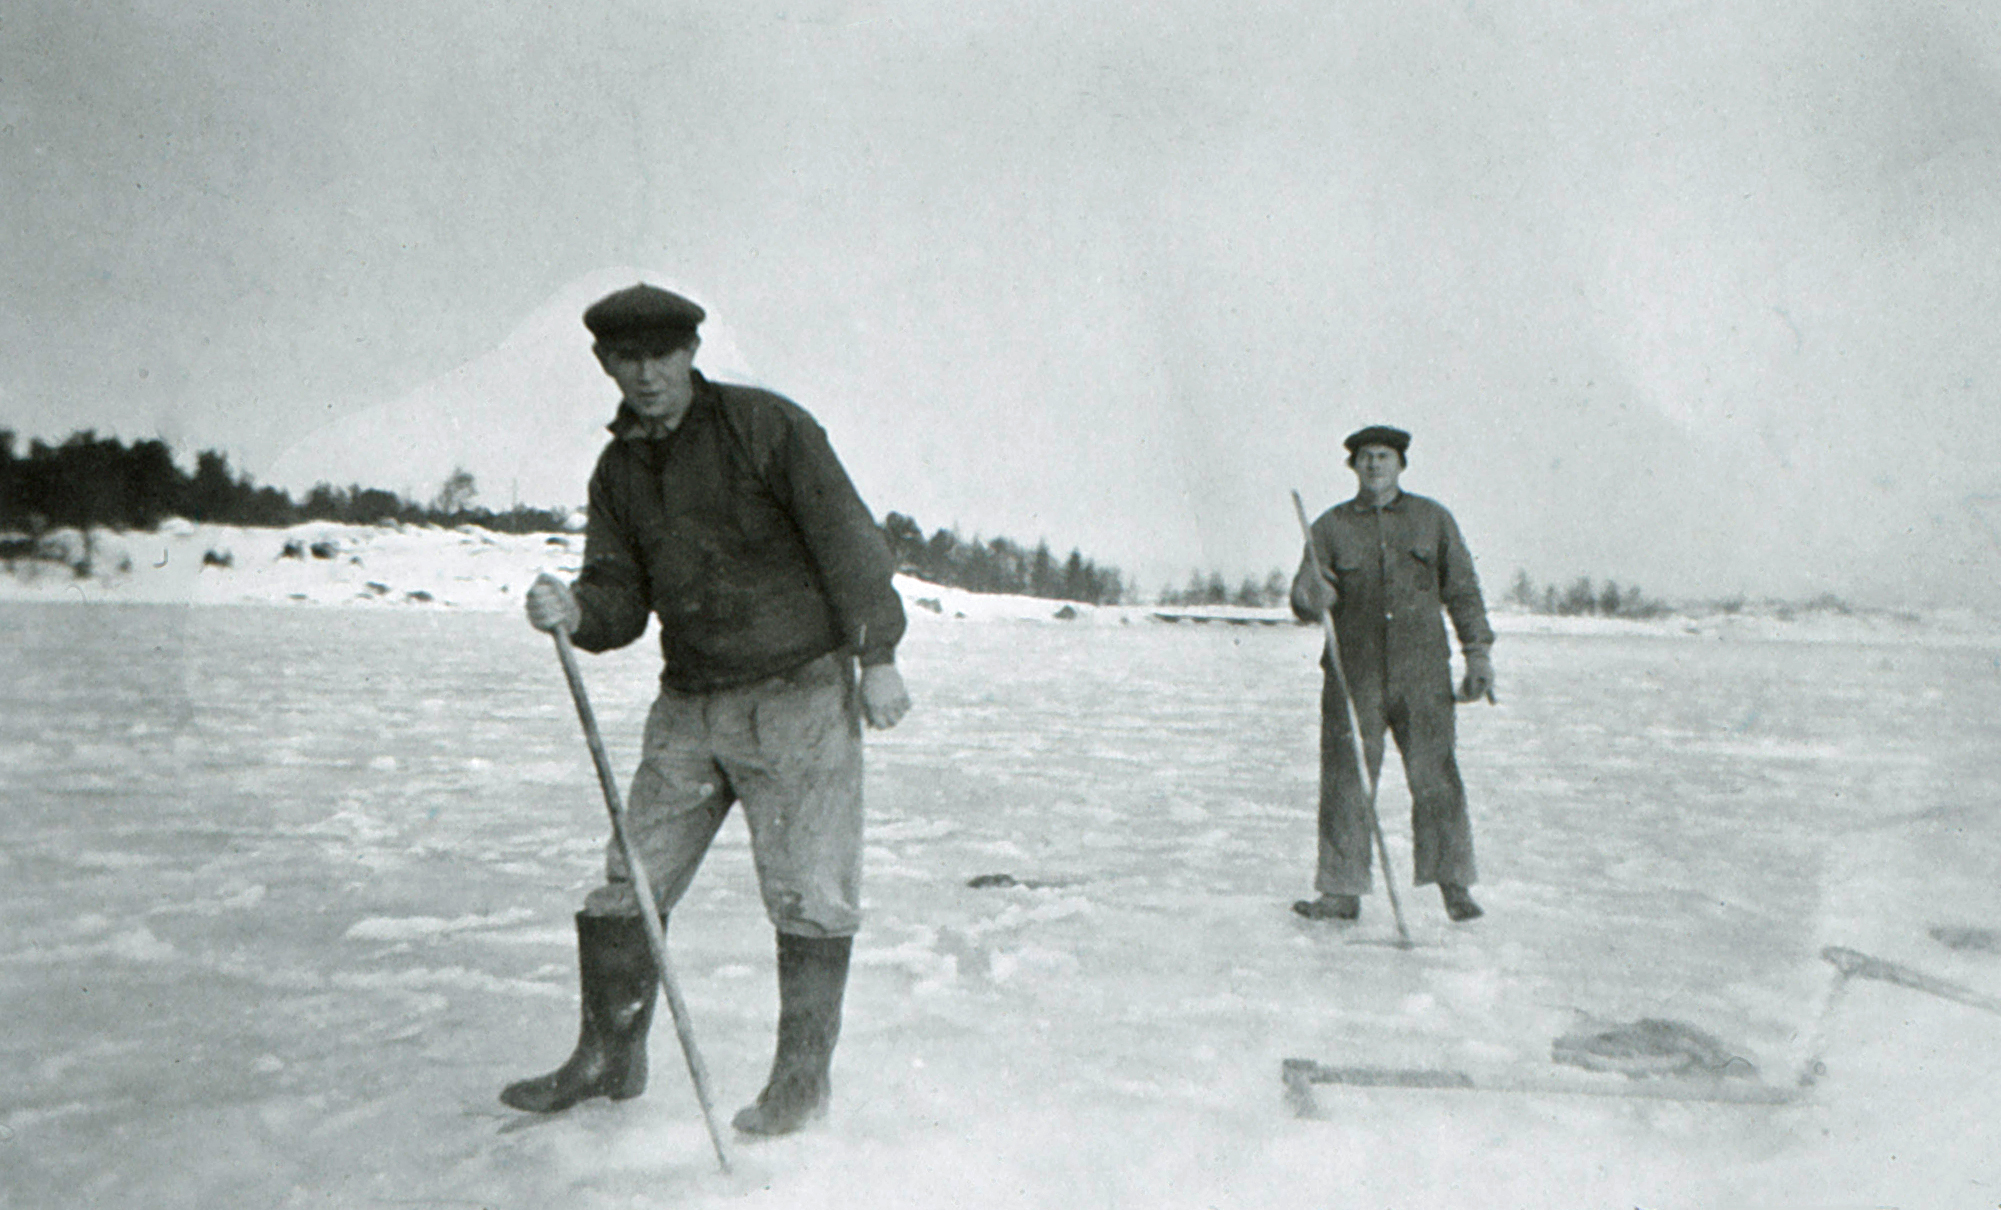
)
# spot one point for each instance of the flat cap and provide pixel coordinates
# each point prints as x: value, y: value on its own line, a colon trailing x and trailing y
x: 1378, y: 434
x: 643, y: 315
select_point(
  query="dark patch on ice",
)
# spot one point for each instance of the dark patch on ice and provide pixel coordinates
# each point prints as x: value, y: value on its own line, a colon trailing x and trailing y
x: 931, y: 603
x: 987, y: 882
x: 1651, y: 1046
x: 1963, y: 937
x: 1066, y: 614
x: 417, y: 595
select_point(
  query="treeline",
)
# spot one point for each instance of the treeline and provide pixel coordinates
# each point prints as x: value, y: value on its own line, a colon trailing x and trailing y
x: 999, y: 565
x: 97, y: 482
x: 1212, y: 589
x: 1582, y: 598
x: 90, y: 482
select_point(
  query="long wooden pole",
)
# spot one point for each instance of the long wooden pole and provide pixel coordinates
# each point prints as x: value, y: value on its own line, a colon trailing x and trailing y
x: 656, y: 936
x: 1333, y: 640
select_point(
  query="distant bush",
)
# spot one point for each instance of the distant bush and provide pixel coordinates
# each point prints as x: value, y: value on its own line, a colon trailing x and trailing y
x: 1582, y: 599
x: 1212, y: 589
x: 998, y: 565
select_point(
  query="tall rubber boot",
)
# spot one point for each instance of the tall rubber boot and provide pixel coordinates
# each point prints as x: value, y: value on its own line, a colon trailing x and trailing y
x: 619, y: 982
x: 812, y: 975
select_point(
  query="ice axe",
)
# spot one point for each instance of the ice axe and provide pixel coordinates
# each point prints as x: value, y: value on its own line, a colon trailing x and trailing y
x: 656, y: 936
x: 1333, y: 639
x: 1853, y: 964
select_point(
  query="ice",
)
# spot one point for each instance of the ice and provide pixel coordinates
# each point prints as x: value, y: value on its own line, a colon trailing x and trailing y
x: 286, y: 896
x: 381, y: 928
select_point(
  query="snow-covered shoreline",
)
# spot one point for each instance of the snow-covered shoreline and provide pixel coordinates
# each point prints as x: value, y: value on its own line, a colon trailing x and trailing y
x: 470, y: 568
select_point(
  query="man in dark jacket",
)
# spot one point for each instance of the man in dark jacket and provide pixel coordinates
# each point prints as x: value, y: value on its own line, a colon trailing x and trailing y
x: 1390, y: 562
x: 723, y: 511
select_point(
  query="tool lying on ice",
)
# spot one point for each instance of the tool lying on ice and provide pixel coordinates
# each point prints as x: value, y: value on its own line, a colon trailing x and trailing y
x: 1333, y: 640
x: 656, y: 937
x: 1700, y: 1078
x: 1300, y: 1075
x: 1851, y: 963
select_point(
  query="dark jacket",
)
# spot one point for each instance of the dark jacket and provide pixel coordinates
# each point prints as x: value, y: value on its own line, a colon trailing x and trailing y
x: 743, y: 533
x: 1396, y: 567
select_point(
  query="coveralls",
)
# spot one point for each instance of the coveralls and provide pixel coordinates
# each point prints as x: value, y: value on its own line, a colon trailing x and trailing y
x: 1395, y: 568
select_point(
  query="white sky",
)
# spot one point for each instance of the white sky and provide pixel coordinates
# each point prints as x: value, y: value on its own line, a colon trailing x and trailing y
x: 1698, y: 296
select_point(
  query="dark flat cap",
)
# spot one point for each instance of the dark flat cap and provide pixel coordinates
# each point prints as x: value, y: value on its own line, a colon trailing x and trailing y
x: 643, y: 315
x: 1378, y: 434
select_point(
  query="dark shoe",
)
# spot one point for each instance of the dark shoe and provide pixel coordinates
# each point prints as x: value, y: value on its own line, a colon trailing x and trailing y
x: 812, y: 976
x: 618, y: 979
x: 1330, y: 907
x: 1458, y: 904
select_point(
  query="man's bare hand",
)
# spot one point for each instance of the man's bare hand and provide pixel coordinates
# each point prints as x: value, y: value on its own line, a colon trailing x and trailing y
x: 884, y: 699
x: 1479, y: 679
x: 1319, y: 592
x: 552, y: 606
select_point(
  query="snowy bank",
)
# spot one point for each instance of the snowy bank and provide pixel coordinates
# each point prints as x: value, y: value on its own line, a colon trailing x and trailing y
x: 418, y: 566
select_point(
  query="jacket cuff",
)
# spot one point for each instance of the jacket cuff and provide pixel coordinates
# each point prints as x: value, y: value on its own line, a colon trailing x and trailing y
x: 875, y: 657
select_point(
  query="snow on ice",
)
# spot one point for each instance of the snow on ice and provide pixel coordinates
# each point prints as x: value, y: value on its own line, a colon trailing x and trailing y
x: 286, y: 893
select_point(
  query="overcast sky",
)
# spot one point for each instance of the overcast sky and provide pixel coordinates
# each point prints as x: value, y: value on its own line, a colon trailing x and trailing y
x: 1697, y: 296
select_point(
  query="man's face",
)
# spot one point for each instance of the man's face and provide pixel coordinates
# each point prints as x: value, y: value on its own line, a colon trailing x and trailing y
x: 658, y: 386
x: 1377, y: 468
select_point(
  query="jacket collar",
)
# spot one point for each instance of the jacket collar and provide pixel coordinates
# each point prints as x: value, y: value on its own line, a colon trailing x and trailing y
x: 1359, y: 505
x: 629, y: 425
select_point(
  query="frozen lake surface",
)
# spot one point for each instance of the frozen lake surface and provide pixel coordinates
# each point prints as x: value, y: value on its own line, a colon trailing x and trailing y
x: 286, y: 898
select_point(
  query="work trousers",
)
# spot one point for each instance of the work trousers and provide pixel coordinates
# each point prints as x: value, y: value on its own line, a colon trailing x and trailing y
x: 789, y: 749
x: 1421, y: 718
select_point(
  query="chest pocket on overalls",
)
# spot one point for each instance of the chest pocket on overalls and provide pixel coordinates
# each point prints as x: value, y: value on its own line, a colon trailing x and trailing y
x: 1423, y: 566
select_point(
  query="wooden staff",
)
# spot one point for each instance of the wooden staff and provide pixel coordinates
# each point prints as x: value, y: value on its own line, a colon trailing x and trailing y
x: 656, y: 936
